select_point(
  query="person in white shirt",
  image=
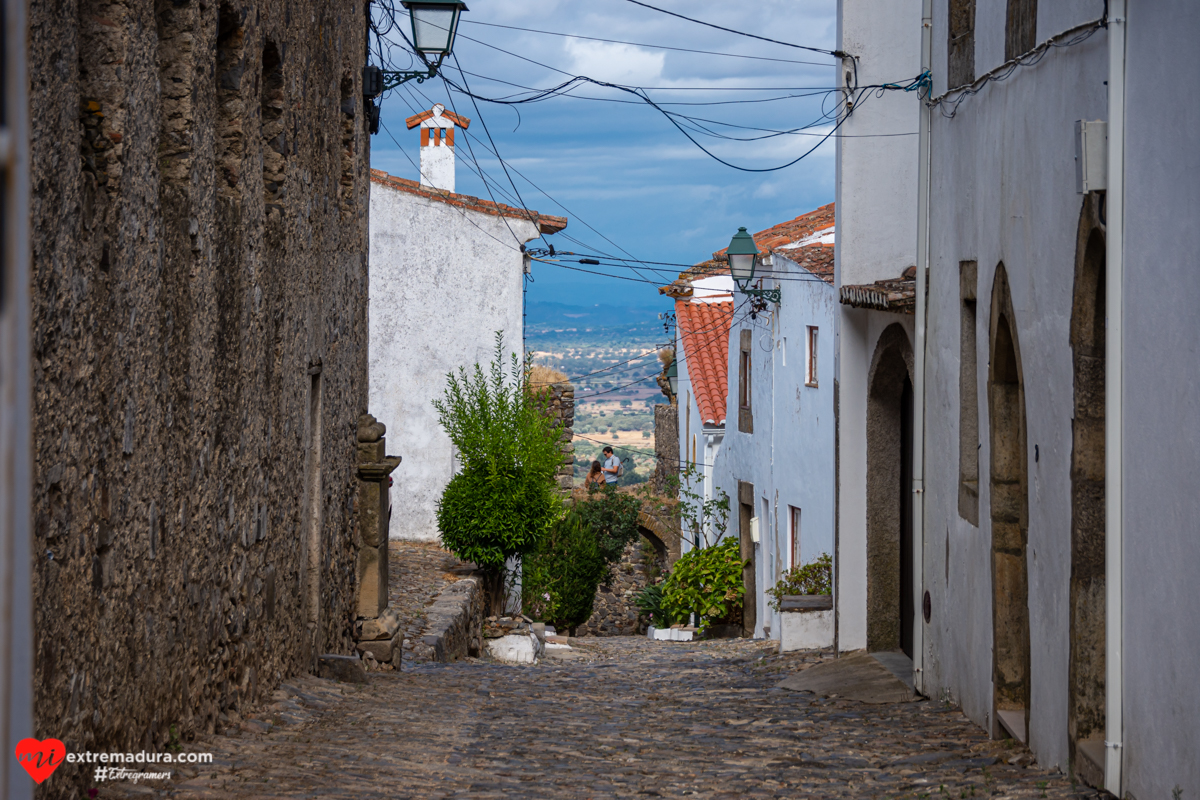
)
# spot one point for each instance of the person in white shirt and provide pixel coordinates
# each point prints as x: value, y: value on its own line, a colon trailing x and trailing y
x: 612, y: 467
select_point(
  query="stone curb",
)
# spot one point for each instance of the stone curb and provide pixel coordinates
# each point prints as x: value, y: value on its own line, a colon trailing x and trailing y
x: 454, y: 622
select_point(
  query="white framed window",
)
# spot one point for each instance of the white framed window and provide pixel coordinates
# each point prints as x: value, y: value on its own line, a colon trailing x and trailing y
x: 810, y: 369
x: 794, y: 535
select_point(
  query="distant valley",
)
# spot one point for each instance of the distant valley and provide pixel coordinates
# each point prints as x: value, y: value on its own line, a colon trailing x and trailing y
x: 610, y: 355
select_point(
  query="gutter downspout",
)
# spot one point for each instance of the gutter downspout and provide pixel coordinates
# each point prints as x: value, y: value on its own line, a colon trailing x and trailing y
x: 1114, y: 383
x: 918, y: 466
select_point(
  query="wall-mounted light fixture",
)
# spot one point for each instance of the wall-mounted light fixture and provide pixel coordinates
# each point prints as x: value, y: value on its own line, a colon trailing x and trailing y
x: 434, y: 27
x: 673, y: 378
x: 743, y: 261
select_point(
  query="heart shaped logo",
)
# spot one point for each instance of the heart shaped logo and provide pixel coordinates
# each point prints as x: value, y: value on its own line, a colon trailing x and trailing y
x: 40, y: 759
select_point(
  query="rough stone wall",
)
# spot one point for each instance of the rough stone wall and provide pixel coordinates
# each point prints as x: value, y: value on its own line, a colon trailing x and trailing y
x: 614, y: 612
x: 666, y: 449
x: 199, y: 174
x: 454, y: 622
x: 561, y: 409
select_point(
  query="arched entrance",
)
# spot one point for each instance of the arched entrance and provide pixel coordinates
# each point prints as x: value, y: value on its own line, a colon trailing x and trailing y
x: 1010, y: 517
x: 890, y: 600
x: 1085, y: 711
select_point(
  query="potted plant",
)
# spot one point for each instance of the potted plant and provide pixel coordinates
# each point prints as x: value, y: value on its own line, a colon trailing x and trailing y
x: 803, y: 596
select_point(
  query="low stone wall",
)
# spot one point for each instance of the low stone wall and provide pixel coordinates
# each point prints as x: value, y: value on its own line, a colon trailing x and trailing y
x: 614, y: 612
x: 454, y: 622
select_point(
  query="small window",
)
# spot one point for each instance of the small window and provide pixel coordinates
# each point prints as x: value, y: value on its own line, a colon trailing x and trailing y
x: 745, y: 378
x: 794, y: 535
x: 810, y: 375
x: 744, y: 382
x: 961, y: 44
x: 1020, y: 30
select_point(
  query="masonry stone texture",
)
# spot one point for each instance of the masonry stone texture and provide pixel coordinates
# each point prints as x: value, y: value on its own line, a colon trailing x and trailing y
x: 199, y: 183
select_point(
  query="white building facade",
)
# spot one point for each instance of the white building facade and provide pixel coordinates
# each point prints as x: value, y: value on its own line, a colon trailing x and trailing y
x: 446, y: 275
x: 875, y: 253
x: 1051, y: 476
x: 775, y: 461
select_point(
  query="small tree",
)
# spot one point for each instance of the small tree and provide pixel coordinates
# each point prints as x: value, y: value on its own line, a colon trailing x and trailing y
x: 505, y: 499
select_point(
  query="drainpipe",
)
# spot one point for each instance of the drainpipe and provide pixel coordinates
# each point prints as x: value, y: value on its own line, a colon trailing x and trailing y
x: 1114, y: 383
x: 918, y: 466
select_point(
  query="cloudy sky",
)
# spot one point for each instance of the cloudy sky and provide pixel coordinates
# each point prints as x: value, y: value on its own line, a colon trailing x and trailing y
x: 630, y: 182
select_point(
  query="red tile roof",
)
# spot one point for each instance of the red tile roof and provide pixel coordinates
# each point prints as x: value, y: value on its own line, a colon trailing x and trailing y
x: 417, y: 119
x: 545, y: 222
x: 898, y: 294
x: 704, y: 329
x: 817, y: 258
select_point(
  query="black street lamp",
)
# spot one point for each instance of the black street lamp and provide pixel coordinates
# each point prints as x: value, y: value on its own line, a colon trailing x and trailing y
x: 743, y: 261
x: 434, y: 26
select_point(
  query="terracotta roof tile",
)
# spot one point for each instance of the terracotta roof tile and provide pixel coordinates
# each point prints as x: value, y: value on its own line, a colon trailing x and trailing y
x: 704, y: 329
x: 898, y: 295
x: 797, y: 240
x: 545, y: 222
x: 417, y: 119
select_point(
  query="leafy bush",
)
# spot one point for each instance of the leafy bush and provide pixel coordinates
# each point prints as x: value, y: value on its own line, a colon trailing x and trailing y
x: 707, y: 581
x: 559, y: 578
x: 815, y: 577
x: 505, y: 499
x: 613, y: 519
x: 650, y: 603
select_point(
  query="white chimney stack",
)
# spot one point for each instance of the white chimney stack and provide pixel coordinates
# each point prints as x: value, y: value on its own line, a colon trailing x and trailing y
x: 437, y: 145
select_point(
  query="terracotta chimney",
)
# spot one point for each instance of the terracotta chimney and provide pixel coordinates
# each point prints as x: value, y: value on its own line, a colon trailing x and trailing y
x: 437, y: 145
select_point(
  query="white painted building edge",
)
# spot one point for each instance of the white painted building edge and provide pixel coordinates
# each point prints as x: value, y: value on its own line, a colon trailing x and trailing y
x: 443, y: 280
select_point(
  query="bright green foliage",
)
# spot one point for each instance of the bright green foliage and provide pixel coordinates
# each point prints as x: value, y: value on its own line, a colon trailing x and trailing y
x: 816, y: 577
x: 559, y: 578
x: 708, y: 582
x: 705, y: 520
x: 612, y: 518
x: 505, y: 499
x: 650, y: 601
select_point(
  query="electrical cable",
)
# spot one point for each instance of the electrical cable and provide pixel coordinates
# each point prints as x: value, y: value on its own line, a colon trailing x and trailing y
x: 652, y: 46
x: 835, y: 53
x: 1068, y: 38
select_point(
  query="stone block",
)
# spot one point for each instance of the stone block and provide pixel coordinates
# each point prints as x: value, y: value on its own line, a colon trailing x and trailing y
x: 397, y: 650
x: 371, y: 451
x: 383, y: 627
x: 516, y: 648
x: 381, y: 649
x: 371, y: 577
x: 371, y: 498
x: 805, y: 630
x: 348, y: 669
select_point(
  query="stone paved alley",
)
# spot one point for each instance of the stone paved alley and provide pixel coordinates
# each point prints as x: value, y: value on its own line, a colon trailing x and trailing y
x: 615, y: 717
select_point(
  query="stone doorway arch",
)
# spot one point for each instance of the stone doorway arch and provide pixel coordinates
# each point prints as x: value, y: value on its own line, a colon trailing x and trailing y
x: 891, y: 610
x: 1086, y: 710
x: 1010, y: 516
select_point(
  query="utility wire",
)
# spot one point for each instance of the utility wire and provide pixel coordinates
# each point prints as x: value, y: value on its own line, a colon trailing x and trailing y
x: 835, y: 53
x: 652, y: 46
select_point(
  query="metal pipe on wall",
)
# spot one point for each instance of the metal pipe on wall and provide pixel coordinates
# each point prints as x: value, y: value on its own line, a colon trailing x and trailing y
x: 1113, y: 398
x: 918, y: 432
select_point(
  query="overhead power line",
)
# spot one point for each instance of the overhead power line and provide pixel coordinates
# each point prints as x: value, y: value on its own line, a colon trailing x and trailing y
x: 835, y: 53
x: 651, y: 46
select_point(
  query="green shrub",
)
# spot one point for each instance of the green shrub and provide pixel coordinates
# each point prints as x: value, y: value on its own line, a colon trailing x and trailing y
x: 560, y: 577
x: 612, y: 517
x: 816, y: 577
x: 505, y: 499
x: 708, y: 582
x: 650, y: 604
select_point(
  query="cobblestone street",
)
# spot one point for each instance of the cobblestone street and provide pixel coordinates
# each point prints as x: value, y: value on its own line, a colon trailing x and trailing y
x: 615, y: 717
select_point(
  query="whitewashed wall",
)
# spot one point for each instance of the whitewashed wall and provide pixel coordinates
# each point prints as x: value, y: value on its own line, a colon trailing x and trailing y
x: 443, y: 281
x: 877, y: 240
x: 1003, y: 190
x: 1162, y: 406
x: 789, y: 458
